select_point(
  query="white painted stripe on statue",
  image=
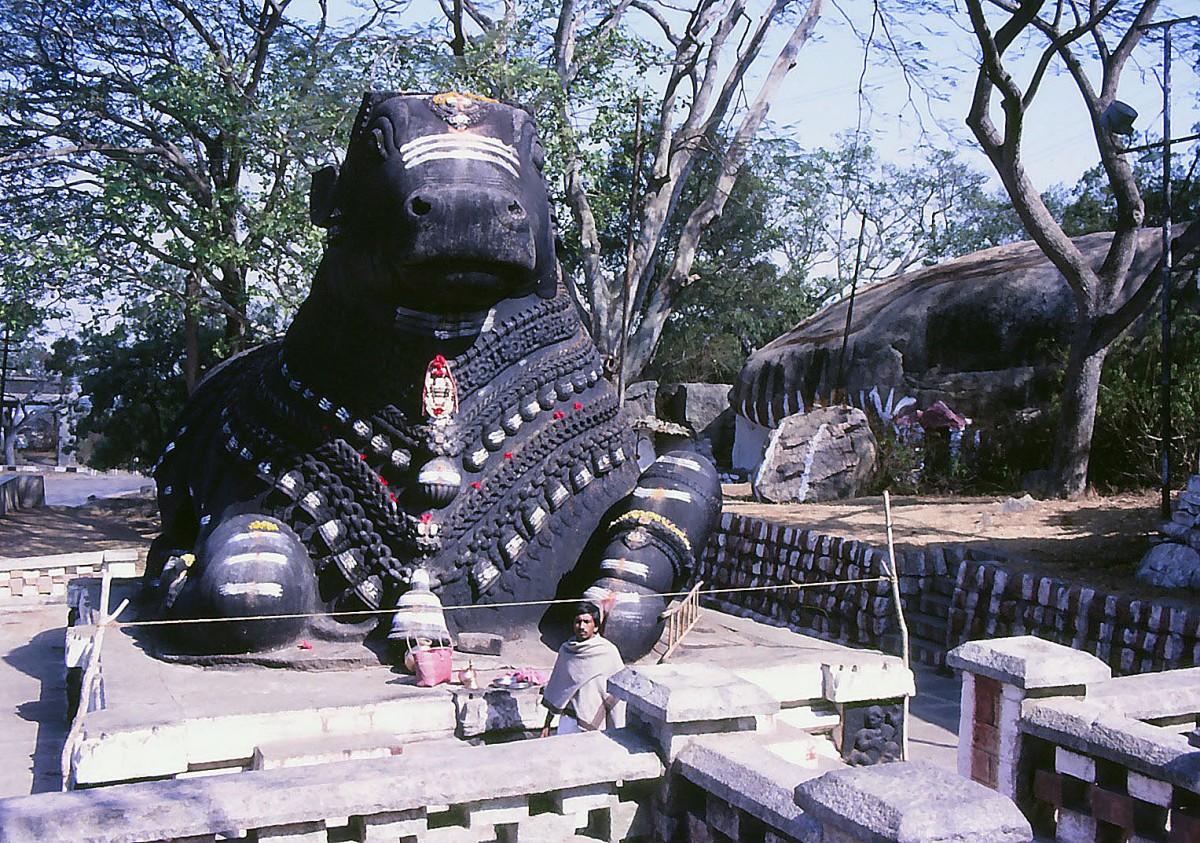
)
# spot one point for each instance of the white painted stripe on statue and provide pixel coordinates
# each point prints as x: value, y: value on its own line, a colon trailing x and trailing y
x: 682, y: 462
x: 417, y: 146
x: 265, y: 556
x: 461, y: 155
x: 623, y: 566
x: 258, y: 589
x: 660, y: 494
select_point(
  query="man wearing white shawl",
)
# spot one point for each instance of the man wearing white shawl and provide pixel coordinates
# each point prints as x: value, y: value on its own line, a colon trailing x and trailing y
x: 578, y: 686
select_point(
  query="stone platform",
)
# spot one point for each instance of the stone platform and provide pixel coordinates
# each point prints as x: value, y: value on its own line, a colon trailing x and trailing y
x: 168, y: 720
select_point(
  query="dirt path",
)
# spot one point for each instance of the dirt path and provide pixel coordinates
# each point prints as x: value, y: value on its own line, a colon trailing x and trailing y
x: 101, y: 525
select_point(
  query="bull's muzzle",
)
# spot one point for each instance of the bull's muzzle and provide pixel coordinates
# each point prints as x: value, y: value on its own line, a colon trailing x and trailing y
x: 476, y: 223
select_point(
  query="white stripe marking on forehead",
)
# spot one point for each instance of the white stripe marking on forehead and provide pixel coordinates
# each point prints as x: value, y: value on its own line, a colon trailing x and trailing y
x: 460, y: 147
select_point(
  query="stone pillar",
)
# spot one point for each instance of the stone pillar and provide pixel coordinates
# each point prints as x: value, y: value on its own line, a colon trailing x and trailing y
x: 914, y: 802
x: 673, y: 703
x: 998, y: 675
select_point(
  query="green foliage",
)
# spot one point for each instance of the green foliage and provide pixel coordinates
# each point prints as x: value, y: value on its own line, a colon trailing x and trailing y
x: 1089, y: 206
x: 134, y: 380
x: 906, y: 217
x: 162, y: 151
x: 722, y: 317
x: 897, y: 464
x: 1127, y: 437
x: 742, y: 294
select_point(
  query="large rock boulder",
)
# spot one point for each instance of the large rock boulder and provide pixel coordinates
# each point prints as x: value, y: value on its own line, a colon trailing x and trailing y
x: 641, y: 400
x: 824, y: 455
x: 704, y: 409
x: 980, y: 332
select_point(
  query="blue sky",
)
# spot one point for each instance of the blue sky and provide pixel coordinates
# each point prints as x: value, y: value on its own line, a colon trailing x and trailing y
x: 820, y: 99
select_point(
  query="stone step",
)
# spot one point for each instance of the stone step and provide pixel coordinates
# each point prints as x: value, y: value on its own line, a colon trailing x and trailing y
x: 324, y: 749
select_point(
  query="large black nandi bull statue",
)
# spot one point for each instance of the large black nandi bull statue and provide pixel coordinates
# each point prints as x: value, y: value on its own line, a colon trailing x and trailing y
x: 435, y: 406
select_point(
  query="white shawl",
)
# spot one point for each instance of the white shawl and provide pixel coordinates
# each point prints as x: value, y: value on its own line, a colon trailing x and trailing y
x: 580, y: 679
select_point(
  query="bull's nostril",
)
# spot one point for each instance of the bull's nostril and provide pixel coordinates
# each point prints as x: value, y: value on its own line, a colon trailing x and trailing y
x: 419, y: 206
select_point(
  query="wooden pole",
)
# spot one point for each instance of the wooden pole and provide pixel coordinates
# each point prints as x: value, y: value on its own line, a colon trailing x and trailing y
x: 894, y: 576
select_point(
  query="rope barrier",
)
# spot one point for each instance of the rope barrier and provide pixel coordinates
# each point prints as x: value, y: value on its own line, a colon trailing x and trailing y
x: 365, y: 613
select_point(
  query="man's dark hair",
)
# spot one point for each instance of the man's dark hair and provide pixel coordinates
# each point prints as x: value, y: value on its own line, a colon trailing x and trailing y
x: 588, y: 608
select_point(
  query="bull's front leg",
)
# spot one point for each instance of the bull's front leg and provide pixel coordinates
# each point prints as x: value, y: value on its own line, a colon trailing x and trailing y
x: 653, y: 547
x: 250, y: 580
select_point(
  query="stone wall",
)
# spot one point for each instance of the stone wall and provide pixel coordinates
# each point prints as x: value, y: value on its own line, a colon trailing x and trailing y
x: 748, y: 553
x: 950, y: 594
x: 1131, y: 636
x: 45, y: 578
x: 592, y: 782
x: 703, y: 760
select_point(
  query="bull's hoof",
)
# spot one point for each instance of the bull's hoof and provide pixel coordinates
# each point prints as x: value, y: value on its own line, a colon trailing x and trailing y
x: 256, y: 583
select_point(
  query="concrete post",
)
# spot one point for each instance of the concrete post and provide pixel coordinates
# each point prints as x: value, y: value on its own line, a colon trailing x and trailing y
x: 998, y: 676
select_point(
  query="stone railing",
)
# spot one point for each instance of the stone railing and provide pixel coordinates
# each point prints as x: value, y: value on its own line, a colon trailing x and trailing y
x: 46, y: 578
x: 950, y: 594
x: 1088, y: 758
x: 593, y: 781
x: 706, y: 757
x: 736, y: 773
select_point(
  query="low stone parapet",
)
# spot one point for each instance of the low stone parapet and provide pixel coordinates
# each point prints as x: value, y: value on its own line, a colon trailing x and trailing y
x: 515, y: 791
x: 46, y: 579
x: 912, y: 802
x: 738, y: 788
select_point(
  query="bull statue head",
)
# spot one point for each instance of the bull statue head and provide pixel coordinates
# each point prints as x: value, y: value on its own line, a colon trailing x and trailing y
x: 443, y: 196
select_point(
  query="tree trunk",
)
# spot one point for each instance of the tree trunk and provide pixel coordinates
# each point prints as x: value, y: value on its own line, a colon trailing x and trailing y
x: 10, y: 447
x: 1077, y: 417
x: 233, y: 295
x: 191, y: 334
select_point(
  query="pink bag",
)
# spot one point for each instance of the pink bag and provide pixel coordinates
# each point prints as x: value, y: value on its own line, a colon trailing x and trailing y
x: 433, y: 665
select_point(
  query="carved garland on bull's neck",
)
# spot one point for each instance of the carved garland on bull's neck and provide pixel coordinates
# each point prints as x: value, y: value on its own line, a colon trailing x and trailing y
x: 338, y: 497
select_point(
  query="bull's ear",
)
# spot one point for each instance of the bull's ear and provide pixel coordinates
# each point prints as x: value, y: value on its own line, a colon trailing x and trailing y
x: 322, y: 195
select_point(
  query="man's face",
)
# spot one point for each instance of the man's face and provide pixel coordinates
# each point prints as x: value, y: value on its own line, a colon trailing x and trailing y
x: 585, y: 626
